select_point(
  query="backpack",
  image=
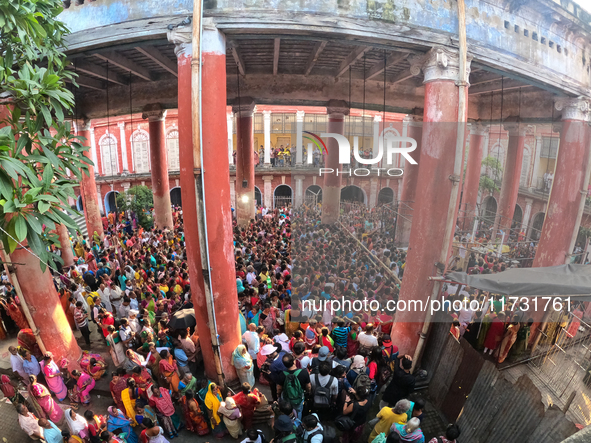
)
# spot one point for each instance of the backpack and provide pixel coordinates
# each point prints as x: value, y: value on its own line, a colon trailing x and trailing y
x: 390, y: 358
x: 329, y: 435
x: 262, y: 436
x: 322, y: 394
x: 362, y: 380
x: 293, y: 389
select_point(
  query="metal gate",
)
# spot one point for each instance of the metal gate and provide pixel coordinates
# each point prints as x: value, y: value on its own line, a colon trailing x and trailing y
x: 564, y: 365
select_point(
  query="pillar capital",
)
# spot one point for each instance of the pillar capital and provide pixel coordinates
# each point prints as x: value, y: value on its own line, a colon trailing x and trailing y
x: 439, y: 63
x: 181, y: 36
x: 243, y: 107
x: 267, y: 115
x: 83, y: 124
x: 300, y: 116
x: 529, y: 201
x: 377, y: 118
x: 154, y: 112
x: 299, y: 177
x: 336, y: 107
x: 121, y: 125
x: 479, y: 128
x: 557, y: 127
x: 514, y: 127
x: 573, y: 108
x: 267, y: 178
x: 413, y: 120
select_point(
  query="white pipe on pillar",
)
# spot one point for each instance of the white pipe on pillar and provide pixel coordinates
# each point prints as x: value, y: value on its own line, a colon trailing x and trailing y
x: 123, y: 146
x: 310, y: 154
x: 267, y: 135
x: 299, y: 133
x: 230, y: 120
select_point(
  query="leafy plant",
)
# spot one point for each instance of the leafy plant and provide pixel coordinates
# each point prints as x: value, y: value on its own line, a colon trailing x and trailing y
x: 139, y: 200
x: 37, y: 145
x: 493, y: 169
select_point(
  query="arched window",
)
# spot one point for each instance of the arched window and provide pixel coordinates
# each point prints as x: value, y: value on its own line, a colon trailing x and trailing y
x: 108, y: 146
x: 172, y: 150
x: 140, y: 143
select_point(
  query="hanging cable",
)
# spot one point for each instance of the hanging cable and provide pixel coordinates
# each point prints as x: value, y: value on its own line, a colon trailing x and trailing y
x: 384, y: 119
x: 500, y: 130
x: 130, y: 114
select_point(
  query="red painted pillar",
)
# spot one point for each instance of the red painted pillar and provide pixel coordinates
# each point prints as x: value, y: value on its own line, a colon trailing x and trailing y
x: 45, y: 307
x: 92, y: 213
x: 409, y: 183
x: 216, y: 170
x: 478, y: 139
x: 66, y: 245
x: 245, y: 202
x: 433, y: 192
x: 181, y: 37
x: 159, y: 166
x: 331, y: 191
x: 511, y: 177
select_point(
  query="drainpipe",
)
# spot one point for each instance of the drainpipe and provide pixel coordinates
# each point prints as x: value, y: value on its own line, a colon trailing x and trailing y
x: 455, y: 178
x: 199, y: 185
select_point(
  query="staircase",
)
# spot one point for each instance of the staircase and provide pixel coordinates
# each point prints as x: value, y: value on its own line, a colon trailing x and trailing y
x: 81, y: 223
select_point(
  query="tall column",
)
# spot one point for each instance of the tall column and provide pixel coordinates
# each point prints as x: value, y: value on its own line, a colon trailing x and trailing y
x: 377, y: 119
x: 331, y: 191
x: 299, y: 140
x: 478, y: 137
x: 99, y: 197
x: 230, y: 122
x: 123, y: 147
x: 267, y: 136
x: 159, y: 165
x: 65, y: 245
x: 93, y: 151
x: 245, y: 202
x: 437, y: 180
x: 45, y: 307
x: 299, y: 190
x: 268, y: 191
x: 569, y: 188
x: 92, y: 213
x: 511, y: 176
x: 181, y: 37
x: 526, y: 214
x: 215, y: 171
x: 414, y: 130
x: 538, y: 153
x: 233, y: 192
x: 373, y: 192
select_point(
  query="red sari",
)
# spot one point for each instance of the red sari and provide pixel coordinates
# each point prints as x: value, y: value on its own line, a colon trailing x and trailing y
x: 117, y: 386
x: 168, y: 370
x: 143, y: 381
x: 495, y: 334
x: 16, y: 314
x: 194, y: 420
x: 247, y: 404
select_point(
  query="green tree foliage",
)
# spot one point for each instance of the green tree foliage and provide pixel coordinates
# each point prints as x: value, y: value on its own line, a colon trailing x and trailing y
x: 494, y: 172
x: 37, y: 145
x: 140, y: 200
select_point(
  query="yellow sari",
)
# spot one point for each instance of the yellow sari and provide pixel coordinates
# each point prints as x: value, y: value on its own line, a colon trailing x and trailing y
x: 213, y: 403
x: 129, y: 404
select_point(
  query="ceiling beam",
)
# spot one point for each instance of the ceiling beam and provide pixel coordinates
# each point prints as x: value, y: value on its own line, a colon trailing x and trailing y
x: 379, y: 67
x: 99, y: 71
x: 355, y: 55
x: 276, y: 51
x: 125, y: 64
x: 497, y: 86
x: 404, y: 75
x: 238, y: 59
x: 88, y: 82
x: 159, y: 58
x: 316, y: 51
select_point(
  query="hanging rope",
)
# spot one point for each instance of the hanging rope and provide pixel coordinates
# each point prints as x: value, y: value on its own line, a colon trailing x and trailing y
x: 130, y: 113
x: 500, y: 130
x: 384, y: 119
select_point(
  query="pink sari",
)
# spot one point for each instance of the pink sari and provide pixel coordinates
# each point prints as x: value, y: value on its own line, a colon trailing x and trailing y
x: 56, y: 384
x: 84, y: 385
x: 43, y: 397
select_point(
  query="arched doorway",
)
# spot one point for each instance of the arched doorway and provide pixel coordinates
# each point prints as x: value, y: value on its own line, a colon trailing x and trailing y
x: 517, y: 219
x: 385, y: 196
x: 536, y: 226
x: 79, y: 204
x: 352, y: 193
x: 489, y: 210
x: 258, y: 196
x: 282, y: 196
x: 175, y: 197
x: 313, y: 195
x: 110, y: 201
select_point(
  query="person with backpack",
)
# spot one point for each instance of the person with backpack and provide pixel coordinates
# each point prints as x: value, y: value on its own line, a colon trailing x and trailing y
x: 323, y: 355
x: 293, y: 384
x: 451, y: 434
x: 402, y: 384
x: 354, y: 414
x: 358, y: 375
x: 284, y: 430
x: 314, y: 432
x: 325, y: 389
x: 254, y: 436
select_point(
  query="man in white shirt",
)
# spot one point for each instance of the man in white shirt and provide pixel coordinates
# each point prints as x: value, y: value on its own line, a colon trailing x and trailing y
x: 28, y: 423
x: 16, y: 362
x: 251, y: 275
x: 253, y: 342
x: 313, y: 430
x: 103, y: 292
x: 116, y: 296
x: 366, y: 339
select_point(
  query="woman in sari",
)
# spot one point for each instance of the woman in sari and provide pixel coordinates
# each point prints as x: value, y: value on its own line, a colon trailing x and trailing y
x: 508, y: 339
x: 26, y: 340
x: 520, y: 346
x: 76, y: 424
x: 136, y: 360
x: 53, y: 377
x: 154, y: 361
x: 242, y: 361
x: 409, y: 432
x: 84, y: 384
x: 484, y: 327
x: 42, y: 396
x: 169, y: 370
x: 129, y: 397
x: 213, y: 400
x: 153, y: 433
x: 194, y: 419
x: 231, y: 416
x: 165, y: 410
x: 116, y: 348
x: 97, y: 424
x: 116, y: 420
x: 65, y: 302
x: 96, y: 368
x: 187, y: 383
x: 117, y: 386
x: 15, y: 313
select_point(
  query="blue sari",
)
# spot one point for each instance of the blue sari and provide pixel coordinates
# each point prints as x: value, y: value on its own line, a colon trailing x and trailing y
x: 123, y: 423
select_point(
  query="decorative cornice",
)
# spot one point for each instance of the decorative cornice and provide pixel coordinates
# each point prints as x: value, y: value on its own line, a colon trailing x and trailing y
x: 440, y: 63
x: 244, y: 107
x: 181, y: 36
x: 413, y: 120
x: 336, y: 107
x: 154, y: 112
x: 574, y: 108
x: 478, y: 128
x: 515, y: 129
x: 300, y: 116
